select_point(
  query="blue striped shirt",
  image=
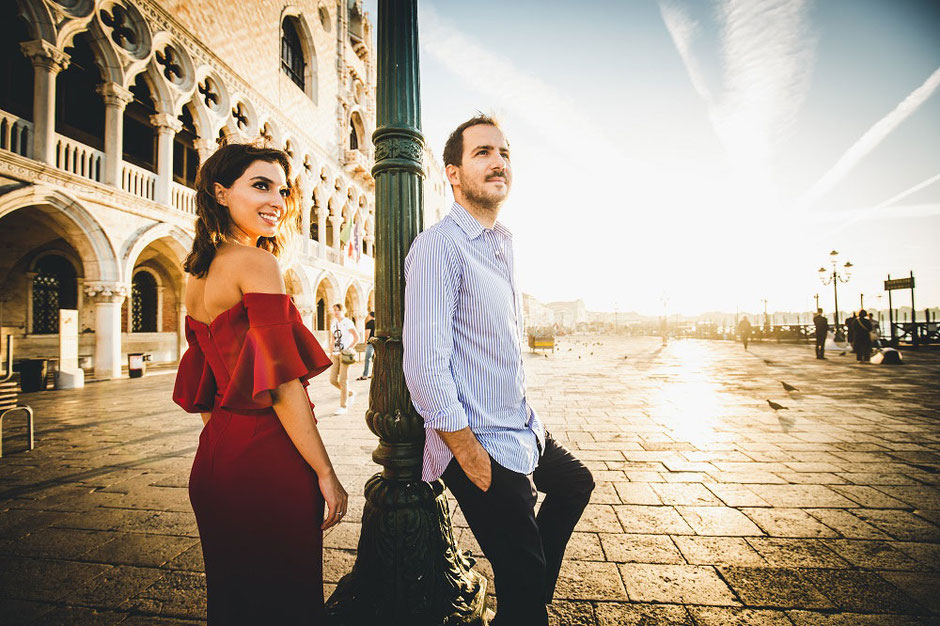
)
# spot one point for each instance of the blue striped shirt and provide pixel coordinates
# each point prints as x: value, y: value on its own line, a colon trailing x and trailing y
x: 463, y: 343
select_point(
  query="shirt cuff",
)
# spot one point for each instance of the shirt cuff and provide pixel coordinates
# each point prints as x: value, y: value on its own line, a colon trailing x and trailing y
x: 449, y: 419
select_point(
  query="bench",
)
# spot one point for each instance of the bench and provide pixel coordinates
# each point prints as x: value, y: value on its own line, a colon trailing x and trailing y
x: 9, y: 398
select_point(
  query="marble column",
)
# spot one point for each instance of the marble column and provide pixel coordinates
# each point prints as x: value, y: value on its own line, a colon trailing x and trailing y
x: 166, y: 126
x: 115, y: 98
x: 321, y: 225
x: 47, y: 62
x: 108, y: 298
x: 205, y: 147
x: 336, y: 221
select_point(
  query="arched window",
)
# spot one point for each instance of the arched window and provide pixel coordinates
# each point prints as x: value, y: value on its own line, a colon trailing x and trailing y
x: 144, y: 303
x: 321, y: 314
x: 292, y: 53
x: 185, y: 156
x: 16, y: 73
x: 140, y: 140
x: 54, y: 287
x: 79, y: 109
x: 353, y: 137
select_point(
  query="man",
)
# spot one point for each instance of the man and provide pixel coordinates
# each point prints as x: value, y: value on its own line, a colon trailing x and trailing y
x: 370, y: 351
x: 463, y: 366
x: 822, y: 330
x: 744, y: 329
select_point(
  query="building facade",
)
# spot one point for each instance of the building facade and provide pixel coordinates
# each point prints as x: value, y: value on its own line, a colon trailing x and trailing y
x: 107, y: 108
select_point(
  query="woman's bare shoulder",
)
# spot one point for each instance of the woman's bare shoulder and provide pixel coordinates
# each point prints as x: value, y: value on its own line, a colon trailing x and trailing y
x: 253, y: 269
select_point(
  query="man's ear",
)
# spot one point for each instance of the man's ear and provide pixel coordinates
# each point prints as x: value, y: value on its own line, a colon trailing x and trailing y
x: 451, y: 171
x: 220, y: 194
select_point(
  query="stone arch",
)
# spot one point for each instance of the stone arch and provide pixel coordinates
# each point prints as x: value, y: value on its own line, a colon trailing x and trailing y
x: 75, y: 224
x: 178, y: 241
x: 355, y: 302
x: 357, y: 130
x: 109, y: 63
x: 39, y: 19
x: 159, y: 89
x: 311, y: 71
x: 128, y: 304
x: 325, y: 296
x: 298, y: 285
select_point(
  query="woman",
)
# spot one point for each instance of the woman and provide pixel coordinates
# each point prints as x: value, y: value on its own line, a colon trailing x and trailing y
x: 345, y: 338
x: 261, y: 473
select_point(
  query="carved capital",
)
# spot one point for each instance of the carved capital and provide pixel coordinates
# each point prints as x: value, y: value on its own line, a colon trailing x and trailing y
x: 114, y: 94
x: 106, y: 291
x: 165, y: 123
x: 44, y: 54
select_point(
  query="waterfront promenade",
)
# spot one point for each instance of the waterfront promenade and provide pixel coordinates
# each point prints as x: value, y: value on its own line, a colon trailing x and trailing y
x: 710, y: 507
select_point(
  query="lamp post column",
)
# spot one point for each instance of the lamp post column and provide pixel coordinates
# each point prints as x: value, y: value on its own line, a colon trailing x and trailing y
x: 408, y: 569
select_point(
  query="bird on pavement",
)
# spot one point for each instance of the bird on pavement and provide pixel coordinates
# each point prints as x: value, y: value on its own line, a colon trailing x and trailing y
x: 788, y: 387
x: 775, y: 406
x: 768, y: 362
x: 842, y: 353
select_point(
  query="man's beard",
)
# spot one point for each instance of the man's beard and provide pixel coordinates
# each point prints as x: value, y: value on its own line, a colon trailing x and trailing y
x: 478, y: 196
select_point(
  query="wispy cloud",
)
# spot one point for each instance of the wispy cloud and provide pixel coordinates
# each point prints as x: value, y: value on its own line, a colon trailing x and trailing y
x: 870, y: 140
x: 513, y: 90
x: 886, y: 209
x: 767, y: 54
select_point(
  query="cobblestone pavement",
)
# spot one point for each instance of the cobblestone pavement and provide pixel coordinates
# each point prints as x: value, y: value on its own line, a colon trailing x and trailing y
x: 710, y: 507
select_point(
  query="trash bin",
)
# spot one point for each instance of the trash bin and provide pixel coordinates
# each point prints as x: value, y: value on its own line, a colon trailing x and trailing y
x: 135, y: 364
x: 33, y: 375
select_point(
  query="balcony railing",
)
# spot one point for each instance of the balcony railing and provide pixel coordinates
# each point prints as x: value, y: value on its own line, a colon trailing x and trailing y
x: 77, y: 158
x: 183, y: 198
x: 138, y: 181
x: 16, y: 134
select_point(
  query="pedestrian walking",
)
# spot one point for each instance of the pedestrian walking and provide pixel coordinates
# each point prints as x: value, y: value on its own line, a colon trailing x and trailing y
x: 342, y: 354
x: 744, y: 330
x: 370, y: 351
x: 261, y: 473
x: 822, y: 331
x: 863, y: 337
x: 463, y: 366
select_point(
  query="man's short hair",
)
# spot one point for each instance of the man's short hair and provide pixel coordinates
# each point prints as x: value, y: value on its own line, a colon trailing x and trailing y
x: 453, y: 149
x: 339, y: 305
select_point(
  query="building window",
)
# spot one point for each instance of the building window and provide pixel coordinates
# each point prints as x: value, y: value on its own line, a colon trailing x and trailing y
x: 353, y: 138
x: 292, y: 54
x: 54, y: 287
x: 144, y: 303
x: 140, y: 140
x: 185, y: 156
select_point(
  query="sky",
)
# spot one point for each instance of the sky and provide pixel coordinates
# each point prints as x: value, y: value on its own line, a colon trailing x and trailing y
x: 687, y: 156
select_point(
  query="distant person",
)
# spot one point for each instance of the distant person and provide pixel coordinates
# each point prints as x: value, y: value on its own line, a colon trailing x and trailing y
x: 345, y: 338
x: 822, y: 331
x: 370, y: 351
x: 663, y: 329
x: 862, y: 344
x: 463, y: 366
x: 851, y: 329
x: 745, y: 330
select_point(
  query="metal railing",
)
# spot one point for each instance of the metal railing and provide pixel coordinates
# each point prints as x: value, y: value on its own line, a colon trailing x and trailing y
x: 16, y: 134
x: 138, y: 181
x: 183, y: 198
x: 75, y: 157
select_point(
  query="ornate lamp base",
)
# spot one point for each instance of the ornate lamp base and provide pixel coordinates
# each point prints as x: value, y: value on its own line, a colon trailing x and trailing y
x: 408, y: 571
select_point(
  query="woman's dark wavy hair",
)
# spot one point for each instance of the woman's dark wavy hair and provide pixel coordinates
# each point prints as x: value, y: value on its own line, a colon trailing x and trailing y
x: 213, y: 222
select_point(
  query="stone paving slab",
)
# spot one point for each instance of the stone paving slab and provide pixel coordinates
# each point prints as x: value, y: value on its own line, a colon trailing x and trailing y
x: 710, y: 507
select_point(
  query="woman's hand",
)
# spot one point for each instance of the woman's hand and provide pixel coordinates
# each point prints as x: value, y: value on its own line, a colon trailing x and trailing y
x: 335, y: 497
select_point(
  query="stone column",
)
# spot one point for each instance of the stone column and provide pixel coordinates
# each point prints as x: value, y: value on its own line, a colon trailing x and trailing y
x: 47, y: 61
x: 115, y: 98
x: 336, y: 221
x: 205, y: 147
x: 108, y: 298
x: 321, y: 225
x: 166, y: 126
x: 408, y: 569
x: 306, y: 205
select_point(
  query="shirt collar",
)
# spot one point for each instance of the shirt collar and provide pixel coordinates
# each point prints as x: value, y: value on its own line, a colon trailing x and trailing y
x: 471, y: 227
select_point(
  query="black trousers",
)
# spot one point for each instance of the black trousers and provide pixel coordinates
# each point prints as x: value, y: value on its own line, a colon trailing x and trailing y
x: 525, y: 549
x: 820, y: 346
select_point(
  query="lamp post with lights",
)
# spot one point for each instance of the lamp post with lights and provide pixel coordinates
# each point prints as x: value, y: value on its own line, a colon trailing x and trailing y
x: 835, y: 277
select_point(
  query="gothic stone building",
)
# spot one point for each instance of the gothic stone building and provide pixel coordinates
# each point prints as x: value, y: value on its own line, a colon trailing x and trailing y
x: 107, y: 107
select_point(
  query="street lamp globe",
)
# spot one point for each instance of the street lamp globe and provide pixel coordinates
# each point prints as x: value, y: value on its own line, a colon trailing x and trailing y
x: 848, y: 270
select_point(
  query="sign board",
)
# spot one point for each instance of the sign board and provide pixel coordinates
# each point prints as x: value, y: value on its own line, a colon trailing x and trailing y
x: 899, y: 283
x: 68, y: 339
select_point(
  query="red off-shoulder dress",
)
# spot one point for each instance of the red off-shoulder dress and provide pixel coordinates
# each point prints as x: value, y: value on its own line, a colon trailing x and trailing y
x: 257, y: 502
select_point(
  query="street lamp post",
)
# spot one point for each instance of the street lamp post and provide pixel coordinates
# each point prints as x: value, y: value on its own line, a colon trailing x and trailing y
x: 835, y: 278
x: 408, y: 570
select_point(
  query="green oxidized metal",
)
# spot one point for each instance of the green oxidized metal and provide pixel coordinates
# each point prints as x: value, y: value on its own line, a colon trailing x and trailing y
x: 408, y: 569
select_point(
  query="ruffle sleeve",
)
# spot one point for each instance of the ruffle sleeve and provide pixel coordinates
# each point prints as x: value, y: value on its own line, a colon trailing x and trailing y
x: 195, y: 383
x: 278, y: 348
